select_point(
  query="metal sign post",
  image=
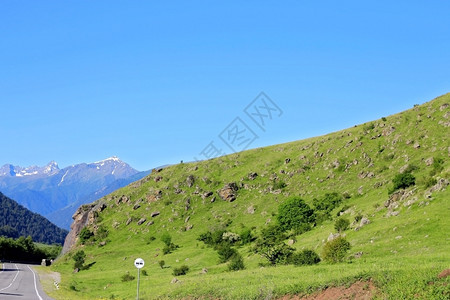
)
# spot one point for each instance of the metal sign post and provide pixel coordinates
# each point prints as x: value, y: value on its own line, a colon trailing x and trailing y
x: 139, y: 264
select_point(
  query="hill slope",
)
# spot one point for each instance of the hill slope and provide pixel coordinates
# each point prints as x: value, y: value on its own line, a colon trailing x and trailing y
x: 358, y: 164
x: 16, y: 220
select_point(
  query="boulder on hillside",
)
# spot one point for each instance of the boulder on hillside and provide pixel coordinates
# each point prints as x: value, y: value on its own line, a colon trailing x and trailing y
x: 228, y: 192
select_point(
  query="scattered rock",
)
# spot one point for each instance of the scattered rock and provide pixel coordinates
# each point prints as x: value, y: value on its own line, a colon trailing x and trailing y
x: 358, y: 254
x: 416, y: 146
x: 150, y: 223
x: 429, y: 161
x: 187, y: 219
x: 252, y: 176
x: 154, y: 214
x: 287, y: 160
x: 204, y: 271
x: 443, y: 106
x: 129, y: 221
x: 291, y: 242
x: 189, y: 227
x: 175, y: 280
x: 103, y: 243
x: 398, y: 237
x: 333, y: 236
x: 136, y: 206
x: 141, y: 221
x: 364, y: 221
x: 251, y: 210
x: 76, y: 270
x: 190, y: 180
x: 213, y: 199
x: 206, y: 195
x: 158, y: 178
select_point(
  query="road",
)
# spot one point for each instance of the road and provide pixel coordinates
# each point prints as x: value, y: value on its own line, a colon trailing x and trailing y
x: 19, y: 281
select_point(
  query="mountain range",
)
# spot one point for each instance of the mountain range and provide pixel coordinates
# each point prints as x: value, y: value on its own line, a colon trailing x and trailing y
x: 56, y: 193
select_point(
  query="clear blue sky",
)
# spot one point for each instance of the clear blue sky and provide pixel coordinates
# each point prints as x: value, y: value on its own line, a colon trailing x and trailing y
x: 155, y: 83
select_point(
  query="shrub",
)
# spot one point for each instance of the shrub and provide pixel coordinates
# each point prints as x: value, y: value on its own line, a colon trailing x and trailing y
x: 170, y: 248
x: 341, y: 224
x: 162, y: 264
x: 278, y: 185
x: 275, y: 253
x: 180, y: 271
x: 127, y: 277
x: 225, y: 252
x: 295, y: 214
x: 403, y: 180
x: 429, y: 182
x: 334, y: 251
x: 328, y: 202
x: 273, y: 234
x: 166, y: 239
x: 236, y: 263
x: 246, y: 236
x: 79, y: 258
x: 85, y: 235
x: 305, y: 257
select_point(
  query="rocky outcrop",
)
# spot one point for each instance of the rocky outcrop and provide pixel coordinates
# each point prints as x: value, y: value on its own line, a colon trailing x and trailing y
x: 84, y: 216
x: 228, y: 192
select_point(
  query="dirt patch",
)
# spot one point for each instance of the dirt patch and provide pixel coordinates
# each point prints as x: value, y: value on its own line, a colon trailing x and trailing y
x: 444, y: 273
x: 362, y: 290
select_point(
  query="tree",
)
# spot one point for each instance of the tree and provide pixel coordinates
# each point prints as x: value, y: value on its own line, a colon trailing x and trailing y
x: 295, y: 214
x: 79, y: 258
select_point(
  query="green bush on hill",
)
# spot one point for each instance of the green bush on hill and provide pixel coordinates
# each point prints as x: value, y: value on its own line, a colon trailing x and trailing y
x: 335, y: 251
x: 295, y: 214
x: 304, y: 257
x: 402, y: 181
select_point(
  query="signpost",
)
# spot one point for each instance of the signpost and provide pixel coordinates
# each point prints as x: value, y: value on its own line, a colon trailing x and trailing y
x: 139, y: 264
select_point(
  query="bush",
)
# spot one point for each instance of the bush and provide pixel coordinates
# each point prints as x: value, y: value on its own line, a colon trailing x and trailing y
x: 79, y: 258
x: 429, y: 182
x: 166, y: 239
x: 246, y: 236
x: 236, y: 263
x: 403, y: 180
x: 162, y: 264
x: 231, y: 237
x: 170, y: 248
x: 127, y: 277
x: 275, y: 253
x: 295, y: 214
x: 225, y: 252
x: 85, y: 235
x: 278, y: 185
x: 341, y: 224
x: 180, y: 271
x: 305, y: 257
x: 335, y: 251
x: 328, y: 202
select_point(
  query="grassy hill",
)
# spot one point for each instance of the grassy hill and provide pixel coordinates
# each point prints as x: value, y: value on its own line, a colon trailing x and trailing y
x: 402, y: 249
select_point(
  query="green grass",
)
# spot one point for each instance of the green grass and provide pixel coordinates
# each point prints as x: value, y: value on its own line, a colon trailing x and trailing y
x: 402, y: 254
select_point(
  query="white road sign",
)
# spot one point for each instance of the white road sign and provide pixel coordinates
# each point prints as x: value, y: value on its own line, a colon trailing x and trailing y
x: 139, y: 263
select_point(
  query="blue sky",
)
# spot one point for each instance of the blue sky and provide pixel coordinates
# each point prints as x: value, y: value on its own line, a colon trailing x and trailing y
x: 156, y: 83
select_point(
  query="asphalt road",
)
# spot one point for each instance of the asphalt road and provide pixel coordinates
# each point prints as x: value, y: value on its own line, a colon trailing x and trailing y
x: 19, y: 281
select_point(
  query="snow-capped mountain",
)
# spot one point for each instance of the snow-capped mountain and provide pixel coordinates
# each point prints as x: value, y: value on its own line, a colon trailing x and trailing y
x: 47, y: 190
x: 16, y: 171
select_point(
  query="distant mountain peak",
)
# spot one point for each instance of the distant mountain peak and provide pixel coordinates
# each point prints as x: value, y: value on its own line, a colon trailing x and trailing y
x: 112, y: 158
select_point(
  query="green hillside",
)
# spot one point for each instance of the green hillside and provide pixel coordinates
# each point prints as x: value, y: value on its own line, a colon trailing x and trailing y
x: 401, y: 249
